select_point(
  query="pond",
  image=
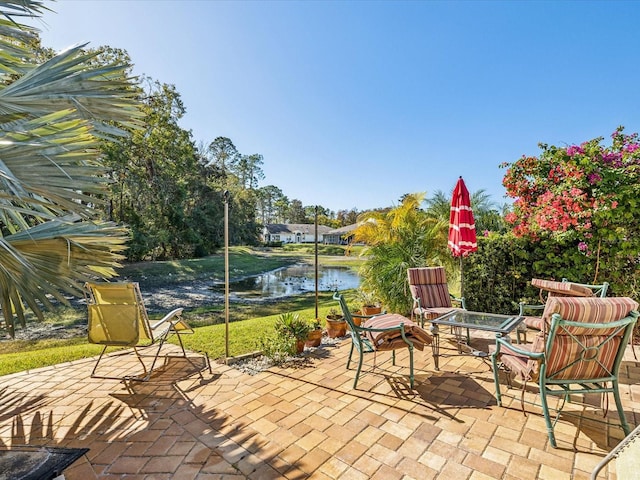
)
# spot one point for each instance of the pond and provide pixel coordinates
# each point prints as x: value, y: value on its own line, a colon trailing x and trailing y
x: 292, y: 280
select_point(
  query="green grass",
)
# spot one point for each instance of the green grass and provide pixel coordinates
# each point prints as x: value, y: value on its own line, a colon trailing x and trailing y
x: 247, y: 324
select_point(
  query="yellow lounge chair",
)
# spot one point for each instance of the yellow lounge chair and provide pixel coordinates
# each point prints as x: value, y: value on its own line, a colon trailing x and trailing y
x: 118, y: 318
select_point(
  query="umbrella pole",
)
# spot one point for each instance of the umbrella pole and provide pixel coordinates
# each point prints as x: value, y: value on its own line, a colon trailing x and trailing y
x: 461, y: 279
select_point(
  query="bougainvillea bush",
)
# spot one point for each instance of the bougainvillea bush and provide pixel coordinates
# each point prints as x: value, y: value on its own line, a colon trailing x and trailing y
x: 579, y: 203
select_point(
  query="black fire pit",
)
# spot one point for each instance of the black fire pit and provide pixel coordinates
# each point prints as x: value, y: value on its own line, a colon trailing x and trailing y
x: 36, y: 463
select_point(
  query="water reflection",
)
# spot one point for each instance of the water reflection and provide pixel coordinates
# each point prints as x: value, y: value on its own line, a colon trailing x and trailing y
x: 293, y: 280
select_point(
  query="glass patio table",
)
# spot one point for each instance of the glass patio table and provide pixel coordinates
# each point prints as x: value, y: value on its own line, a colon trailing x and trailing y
x: 464, y: 320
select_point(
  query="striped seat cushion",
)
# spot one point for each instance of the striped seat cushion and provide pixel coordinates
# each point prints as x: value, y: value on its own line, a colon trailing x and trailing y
x: 429, y: 284
x: 577, y: 352
x: 391, y: 340
x: 570, y: 344
x: 562, y: 288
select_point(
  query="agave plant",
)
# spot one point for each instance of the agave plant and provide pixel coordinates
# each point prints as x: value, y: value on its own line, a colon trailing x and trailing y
x: 53, y: 116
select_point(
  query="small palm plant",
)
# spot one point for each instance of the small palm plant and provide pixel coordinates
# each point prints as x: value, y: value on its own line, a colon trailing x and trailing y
x: 290, y: 324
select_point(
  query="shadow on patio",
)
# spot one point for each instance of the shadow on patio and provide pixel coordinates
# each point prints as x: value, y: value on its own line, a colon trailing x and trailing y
x: 303, y: 422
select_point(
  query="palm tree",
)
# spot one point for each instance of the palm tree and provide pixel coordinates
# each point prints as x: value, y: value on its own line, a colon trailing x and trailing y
x: 400, y: 238
x: 486, y: 212
x: 53, y: 116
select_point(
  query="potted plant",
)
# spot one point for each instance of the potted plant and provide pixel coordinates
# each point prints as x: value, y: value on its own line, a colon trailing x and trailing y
x: 336, y: 324
x: 369, y: 303
x: 315, y: 334
x: 290, y: 324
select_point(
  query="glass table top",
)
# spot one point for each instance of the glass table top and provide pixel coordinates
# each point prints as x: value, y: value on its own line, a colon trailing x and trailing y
x: 491, y: 322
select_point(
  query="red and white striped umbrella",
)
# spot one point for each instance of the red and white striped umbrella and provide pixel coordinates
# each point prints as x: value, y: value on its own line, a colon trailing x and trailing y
x: 462, y: 227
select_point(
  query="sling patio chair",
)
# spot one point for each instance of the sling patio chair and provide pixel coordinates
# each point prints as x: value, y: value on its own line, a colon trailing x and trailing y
x: 382, y: 333
x: 430, y: 293
x: 118, y: 318
x: 579, y: 352
x: 626, y: 455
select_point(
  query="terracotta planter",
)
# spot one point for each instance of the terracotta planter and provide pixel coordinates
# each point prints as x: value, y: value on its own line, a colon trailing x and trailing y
x: 299, y: 346
x: 356, y: 320
x: 315, y: 338
x: 336, y: 327
x: 371, y: 310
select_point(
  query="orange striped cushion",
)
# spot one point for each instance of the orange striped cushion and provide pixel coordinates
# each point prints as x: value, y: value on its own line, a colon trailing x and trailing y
x: 432, y: 295
x: 393, y: 339
x: 566, y: 349
x: 427, y: 275
x: 562, y: 288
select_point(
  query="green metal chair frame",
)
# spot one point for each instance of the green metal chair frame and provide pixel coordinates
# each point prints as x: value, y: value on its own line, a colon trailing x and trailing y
x: 583, y: 354
x: 363, y: 344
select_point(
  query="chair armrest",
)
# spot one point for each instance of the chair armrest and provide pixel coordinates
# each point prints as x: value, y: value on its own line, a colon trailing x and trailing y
x: 168, y: 317
x: 526, y: 306
x: 461, y: 300
x: 515, y: 349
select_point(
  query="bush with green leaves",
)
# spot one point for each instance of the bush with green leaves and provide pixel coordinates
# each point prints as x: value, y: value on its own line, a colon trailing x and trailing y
x: 578, y: 204
x: 277, y: 348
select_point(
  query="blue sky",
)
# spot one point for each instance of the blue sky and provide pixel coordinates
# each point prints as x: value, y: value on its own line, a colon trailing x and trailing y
x: 353, y: 104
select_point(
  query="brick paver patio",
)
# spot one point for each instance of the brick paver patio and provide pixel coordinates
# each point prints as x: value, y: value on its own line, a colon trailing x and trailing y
x: 306, y: 422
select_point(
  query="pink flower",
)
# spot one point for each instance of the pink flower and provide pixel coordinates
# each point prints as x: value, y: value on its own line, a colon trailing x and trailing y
x: 574, y: 150
x: 583, y: 246
x: 486, y: 233
x: 614, y: 204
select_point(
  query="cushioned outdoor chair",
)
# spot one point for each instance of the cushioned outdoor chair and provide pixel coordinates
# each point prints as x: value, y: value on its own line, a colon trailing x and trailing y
x: 557, y: 289
x: 118, y: 318
x: 381, y: 333
x: 552, y: 288
x: 580, y: 354
x: 430, y: 293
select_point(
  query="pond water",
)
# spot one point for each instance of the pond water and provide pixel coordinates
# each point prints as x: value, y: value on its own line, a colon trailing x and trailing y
x: 293, y: 280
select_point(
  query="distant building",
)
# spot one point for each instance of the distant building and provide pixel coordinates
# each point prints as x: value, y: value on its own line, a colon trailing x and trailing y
x: 340, y: 236
x: 293, y: 233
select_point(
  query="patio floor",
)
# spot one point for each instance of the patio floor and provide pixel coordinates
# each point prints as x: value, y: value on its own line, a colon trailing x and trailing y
x: 306, y: 422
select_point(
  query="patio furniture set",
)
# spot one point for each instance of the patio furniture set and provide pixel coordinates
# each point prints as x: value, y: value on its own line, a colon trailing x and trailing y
x: 581, y: 339
x: 579, y: 347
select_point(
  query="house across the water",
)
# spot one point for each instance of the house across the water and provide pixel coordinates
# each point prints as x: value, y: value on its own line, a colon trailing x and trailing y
x: 305, y: 233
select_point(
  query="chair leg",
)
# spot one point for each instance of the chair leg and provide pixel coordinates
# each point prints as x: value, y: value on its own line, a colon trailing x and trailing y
x: 545, y: 411
x: 355, y: 381
x: 95, y: 367
x: 411, y: 366
x: 623, y: 419
x: 155, y: 359
x: 350, y: 353
x: 496, y: 379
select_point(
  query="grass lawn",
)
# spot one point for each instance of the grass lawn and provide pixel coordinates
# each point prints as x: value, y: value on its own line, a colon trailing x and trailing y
x: 247, y: 321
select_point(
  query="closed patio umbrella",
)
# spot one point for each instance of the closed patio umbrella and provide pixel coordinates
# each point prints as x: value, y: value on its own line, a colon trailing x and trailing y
x: 462, y: 227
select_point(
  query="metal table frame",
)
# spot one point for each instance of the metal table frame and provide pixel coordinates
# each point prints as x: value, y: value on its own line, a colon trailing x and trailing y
x: 465, y: 320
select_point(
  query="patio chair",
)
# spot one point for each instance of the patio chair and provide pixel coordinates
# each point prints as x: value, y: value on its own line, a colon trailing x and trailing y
x: 430, y: 293
x: 581, y: 353
x: 382, y: 333
x: 551, y: 288
x: 626, y: 455
x: 559, y: 289
x: 118, y: 318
